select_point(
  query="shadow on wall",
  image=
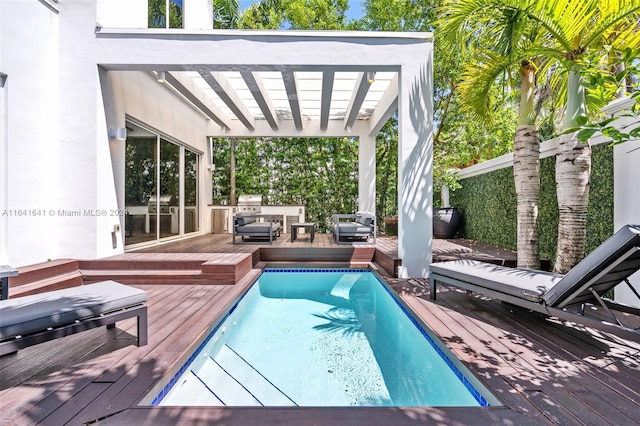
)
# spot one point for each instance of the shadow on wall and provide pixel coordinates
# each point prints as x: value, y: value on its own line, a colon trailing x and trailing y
x: 417, y: 173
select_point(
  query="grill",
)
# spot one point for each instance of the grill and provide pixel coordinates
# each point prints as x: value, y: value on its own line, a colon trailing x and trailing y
x: 250, y: 203
x: 165, y: 202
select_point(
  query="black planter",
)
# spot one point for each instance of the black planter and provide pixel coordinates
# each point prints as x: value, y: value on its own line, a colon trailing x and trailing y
x: 446, y: 222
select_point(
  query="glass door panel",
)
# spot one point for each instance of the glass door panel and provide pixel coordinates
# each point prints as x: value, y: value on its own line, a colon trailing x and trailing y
x: 140, y: 188
x: 191, y: 222
x: 169, y: 199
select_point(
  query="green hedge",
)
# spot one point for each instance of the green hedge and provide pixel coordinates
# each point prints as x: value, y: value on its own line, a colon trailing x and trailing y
x: 488, y: 205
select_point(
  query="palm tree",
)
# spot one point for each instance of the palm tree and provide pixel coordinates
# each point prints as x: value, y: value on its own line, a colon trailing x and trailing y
x: 506, y: 41
x: 575, y: 29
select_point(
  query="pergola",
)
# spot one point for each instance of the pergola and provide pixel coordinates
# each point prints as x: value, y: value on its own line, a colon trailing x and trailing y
x: 300, y: 84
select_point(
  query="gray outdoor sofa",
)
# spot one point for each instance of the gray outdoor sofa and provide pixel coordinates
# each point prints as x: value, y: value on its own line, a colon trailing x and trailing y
x: 354, y: 227
x: 37, y: 318
x: 252, y: 227
x: 562, y: 296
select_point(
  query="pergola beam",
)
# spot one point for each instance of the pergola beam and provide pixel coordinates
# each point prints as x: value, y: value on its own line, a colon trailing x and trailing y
x: 359, y: 93
x: 327, y: 91
x: 386, y: 107
x: 289, y: 79
x: 259, y: 93
x: 223, y: 89
x: 185, y: 86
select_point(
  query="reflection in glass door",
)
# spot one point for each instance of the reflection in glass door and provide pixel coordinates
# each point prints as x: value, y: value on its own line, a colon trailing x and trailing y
x: 140, y: 188
x: 190, y: 192
x: 168, y: 209
x: 154, y: 188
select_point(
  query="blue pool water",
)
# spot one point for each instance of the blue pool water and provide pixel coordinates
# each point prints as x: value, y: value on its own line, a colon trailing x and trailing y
x: 320, y: 338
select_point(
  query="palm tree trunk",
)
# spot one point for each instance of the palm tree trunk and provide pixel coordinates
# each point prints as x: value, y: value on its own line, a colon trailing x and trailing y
x: 573, y: 172
x: 526, y: 172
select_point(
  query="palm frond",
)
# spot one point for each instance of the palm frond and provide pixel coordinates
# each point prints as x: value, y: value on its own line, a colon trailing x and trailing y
x: 477, y: 81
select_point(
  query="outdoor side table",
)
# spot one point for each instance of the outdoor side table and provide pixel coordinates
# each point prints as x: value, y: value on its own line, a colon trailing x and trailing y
x: 295, y: 226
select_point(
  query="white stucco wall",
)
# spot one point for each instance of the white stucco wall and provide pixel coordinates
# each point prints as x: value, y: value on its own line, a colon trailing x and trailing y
x: 31, y: 131
x: 626, y: 203
x: 198, y: 14
x: 122, y: 13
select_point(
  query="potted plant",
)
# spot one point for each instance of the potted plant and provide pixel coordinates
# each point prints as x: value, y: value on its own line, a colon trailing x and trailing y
x: 446, y: 219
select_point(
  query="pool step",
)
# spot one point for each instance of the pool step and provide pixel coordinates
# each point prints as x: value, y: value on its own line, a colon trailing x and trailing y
x: 235, y: 382
x: 190, y: 391
x: 255, y: 383
x: 226, y: 380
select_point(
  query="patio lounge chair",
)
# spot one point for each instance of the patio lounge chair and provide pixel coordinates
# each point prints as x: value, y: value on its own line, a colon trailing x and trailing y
x: 29, y: 320
x: 249, y: 227
x: 562, y: 296
x: 353, y: 227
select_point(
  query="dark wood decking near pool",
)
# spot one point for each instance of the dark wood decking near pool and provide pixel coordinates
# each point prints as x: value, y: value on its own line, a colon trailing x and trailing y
x: 542, y: 371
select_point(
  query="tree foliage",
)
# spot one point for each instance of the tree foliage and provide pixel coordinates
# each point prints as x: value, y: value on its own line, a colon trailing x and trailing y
x: 318, y: 173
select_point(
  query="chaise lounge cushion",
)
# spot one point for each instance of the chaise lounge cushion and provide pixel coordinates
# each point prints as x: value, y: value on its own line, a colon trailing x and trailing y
x: 600, y: 270
x: 522, y: 283
x: 28, y: 314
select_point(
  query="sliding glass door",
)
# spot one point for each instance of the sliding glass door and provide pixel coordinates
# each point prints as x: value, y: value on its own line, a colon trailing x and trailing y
x: 161, y: 187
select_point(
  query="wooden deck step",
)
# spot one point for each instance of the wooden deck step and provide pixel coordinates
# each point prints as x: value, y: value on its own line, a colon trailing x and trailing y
x: 158, y: 276
x: 169, y: 268
x: 39, y: 271
x: 55, y: 282
x: 390, y: 262
x: 340, y: 254
x: 167, y: 261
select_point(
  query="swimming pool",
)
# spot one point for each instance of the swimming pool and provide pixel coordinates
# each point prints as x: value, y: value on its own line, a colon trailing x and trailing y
x: 321, y: 338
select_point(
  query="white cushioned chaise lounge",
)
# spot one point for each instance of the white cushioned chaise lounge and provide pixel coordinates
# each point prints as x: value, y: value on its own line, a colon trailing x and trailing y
x: 33, y: 319
x: 562, y: 296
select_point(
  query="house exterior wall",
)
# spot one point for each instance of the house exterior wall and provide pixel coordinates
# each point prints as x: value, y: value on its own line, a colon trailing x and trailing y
x: 29, y: 58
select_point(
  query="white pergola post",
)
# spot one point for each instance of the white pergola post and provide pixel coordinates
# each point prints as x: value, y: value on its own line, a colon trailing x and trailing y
x: 367, y: 174
x: 415, y: 160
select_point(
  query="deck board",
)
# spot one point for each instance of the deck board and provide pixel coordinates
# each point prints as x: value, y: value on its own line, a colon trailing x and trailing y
x: 543, y: 371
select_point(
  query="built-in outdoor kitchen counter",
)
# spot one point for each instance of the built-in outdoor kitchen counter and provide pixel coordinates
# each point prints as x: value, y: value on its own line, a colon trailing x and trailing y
x: 222, y: 215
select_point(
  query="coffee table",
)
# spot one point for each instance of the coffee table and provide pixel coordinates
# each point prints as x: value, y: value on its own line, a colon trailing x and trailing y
x: 305, y: 225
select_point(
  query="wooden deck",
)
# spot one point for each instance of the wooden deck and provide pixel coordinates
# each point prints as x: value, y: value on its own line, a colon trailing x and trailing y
x: 544, y: 372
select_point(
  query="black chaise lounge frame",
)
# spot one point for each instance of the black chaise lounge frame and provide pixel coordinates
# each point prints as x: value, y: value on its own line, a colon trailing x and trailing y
x: 34, y: 319
x: 562, y: 296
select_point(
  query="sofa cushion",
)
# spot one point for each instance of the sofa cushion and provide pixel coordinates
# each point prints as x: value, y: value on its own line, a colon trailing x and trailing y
x: 256, y: 228
x: 350, y: 229
x: 365, y: 220
x: 243, y: 220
